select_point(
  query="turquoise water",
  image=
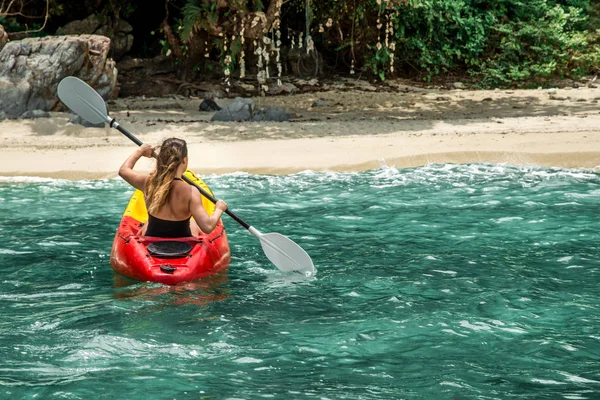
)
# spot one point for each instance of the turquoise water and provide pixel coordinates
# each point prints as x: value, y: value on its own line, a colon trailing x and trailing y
x: 442, y: 282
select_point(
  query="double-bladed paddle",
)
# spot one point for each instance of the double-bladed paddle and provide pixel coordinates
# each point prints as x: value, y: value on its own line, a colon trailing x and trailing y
x: 89, y: 105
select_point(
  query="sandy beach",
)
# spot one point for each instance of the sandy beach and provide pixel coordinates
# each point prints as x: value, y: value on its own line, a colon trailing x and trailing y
x: 343, y: 128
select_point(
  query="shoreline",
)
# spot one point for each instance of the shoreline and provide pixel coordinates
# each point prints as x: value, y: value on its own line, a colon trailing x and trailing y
x: 329, y: 155
x: 353, y: 131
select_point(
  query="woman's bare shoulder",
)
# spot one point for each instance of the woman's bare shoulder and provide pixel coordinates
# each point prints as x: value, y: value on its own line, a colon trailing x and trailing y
x: 182, y: 189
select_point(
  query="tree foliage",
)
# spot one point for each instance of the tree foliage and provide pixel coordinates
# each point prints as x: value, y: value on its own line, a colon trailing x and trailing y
x: 496, y: 42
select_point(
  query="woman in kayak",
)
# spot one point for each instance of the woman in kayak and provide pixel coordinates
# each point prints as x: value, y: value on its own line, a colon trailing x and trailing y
x: 170, y: 201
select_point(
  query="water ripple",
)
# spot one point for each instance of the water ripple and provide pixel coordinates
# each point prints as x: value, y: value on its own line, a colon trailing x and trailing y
x: 444, y: 281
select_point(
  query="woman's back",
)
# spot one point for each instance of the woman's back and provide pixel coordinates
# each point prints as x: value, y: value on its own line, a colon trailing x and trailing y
x: 177, y: 207
x: 173, y: 218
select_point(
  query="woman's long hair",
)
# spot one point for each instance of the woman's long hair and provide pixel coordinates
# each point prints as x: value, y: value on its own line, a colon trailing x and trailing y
x: 171, y: 155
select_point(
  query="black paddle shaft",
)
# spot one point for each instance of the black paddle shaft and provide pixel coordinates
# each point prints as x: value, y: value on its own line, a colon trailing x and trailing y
x: 114, y: 124
x: 212, y: 199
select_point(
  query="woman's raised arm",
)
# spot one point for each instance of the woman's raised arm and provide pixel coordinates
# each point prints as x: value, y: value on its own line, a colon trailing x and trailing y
x: 135, y: 179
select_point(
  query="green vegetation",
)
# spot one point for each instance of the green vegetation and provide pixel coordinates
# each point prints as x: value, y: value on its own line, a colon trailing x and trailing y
x: 492, y: 42
x: 496, y: 42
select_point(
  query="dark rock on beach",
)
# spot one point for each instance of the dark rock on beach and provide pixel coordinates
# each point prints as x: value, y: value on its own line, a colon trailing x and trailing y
x: 244, y: 110
x: 240, y: 110
x: 209, y: 105
x: 276, y: 114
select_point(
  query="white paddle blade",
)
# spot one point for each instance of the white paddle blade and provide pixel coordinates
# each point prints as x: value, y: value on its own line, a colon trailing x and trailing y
x: 285, y: 254
x: 83, y: 100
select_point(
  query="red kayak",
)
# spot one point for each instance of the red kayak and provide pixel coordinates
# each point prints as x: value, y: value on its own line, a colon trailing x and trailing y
x: 166, y: 260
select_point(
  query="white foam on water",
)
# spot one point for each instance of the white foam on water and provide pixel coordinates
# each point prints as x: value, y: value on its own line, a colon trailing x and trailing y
x: 71, y: 286
x: 8, y: 251
x: 248, y: 360
x: 547, y: 381
x: 264, y: 368
x: 445, y: 272
x: 534, y: 203
x: 28, y: 179
x: 492, y: 202
x: 507, y: 219
x: 55, y: 182
x: 44, y: 326
x: 312, y: 349
x: 593, y: 193
x: 477, y: 326
x: 453, y: 332
x: 52, y: 244
x: 577, y: 379
x: 569, y: 203
x: 454, y: 384
x: 513, y: 330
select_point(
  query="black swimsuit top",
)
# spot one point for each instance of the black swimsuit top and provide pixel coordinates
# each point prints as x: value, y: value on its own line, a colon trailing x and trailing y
x: 168, y: 229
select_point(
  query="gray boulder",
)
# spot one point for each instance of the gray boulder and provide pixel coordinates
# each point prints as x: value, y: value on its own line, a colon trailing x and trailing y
x: 33, y: 114
x: 240, y: 110
x: 276, y: 114
x: 116, y: 29
x: 3, y: 37
x: 85, y: 26
x: 30, y: 70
